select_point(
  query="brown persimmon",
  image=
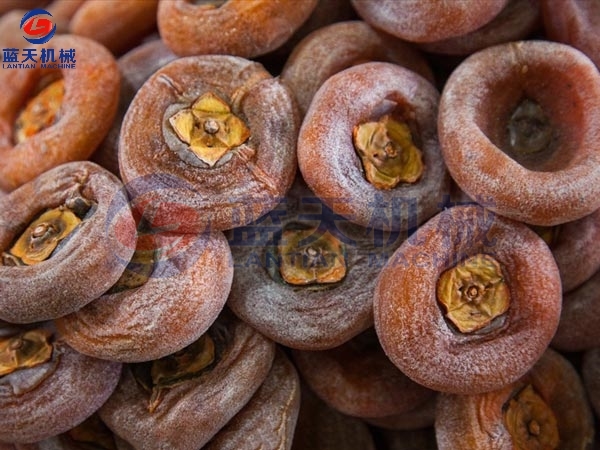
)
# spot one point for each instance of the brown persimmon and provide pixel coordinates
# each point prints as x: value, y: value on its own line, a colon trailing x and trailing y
x: 546, y: 408
x: 574, y: 22
x: 234, y: 27
x: 77, y: 111
x: 91, y: 433
x: 304, y: 276
x: 357, y: 379
x: 427, y: 20
x: 469, y: 303
x: 326, y: 12
x: 116, y: 25
x: 213, y: 137
x: 336, y: 47
x: 198, y: 389
x: 46, y: 387
x: 578, y: 327
x: 368, y: 146
x: 65, y: 238
x: 518, y: 123
x: 135, y: 66
x: 172, y: 291
x: 11, y: 35
x: 422, y: 416
x: 573, y: 245
x: 321, y: 427
x: 517, y: 20
x: 268, y: 420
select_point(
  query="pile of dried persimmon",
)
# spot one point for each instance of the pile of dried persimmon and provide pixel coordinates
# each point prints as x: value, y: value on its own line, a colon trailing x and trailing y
x: 299, y: 224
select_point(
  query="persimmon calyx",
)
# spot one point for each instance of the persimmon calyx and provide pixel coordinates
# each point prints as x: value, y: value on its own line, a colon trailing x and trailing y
x: 24, y: 350
x: 175, y: 369
x: 473, y: 293
x: 308, y: 257
x: 529, y: 128
x: 40, y: 112
x: 209, y: 128
x: 42, y: 236
x: 138, y: 271
x: 530, y: 421
x: 387, y: 152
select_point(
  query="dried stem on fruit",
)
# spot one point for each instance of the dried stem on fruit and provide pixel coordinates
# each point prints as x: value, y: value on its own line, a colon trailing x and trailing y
x: 309, y: 257
x: 531, y: 422
x: 172, y: 370
x: 24, y: 350
x: 387, y: 153
x: 42, y: 236
x: 473, y: 293
x: 40, y: 112
x: 138, y: 271
x: 209, y: 128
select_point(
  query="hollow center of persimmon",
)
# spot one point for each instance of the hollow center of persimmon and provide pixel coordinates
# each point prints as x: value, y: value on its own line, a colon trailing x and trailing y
x: 42, y: 236
x: 529, y: 128
x: 387, y: 152
x: 310, y: 257
x: 24, y: 350
x: 93, y: 433
x: 209, y: 128
x: 473, y: 293
x: 530, y: 421
x: 173, y: 370
x: 40, y: 112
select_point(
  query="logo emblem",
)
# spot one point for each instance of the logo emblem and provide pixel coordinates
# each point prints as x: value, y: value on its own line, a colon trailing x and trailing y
x: 37, y: 29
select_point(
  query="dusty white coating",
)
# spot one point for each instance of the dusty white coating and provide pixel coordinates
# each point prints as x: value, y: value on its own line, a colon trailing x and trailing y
x: 200, y: 406
x: 299, y: 317
x: 428, y: 20
x: 269, y: 419
x: 228, y: 195
x: 411, y: 325
x: 328, y: 160
x: 477, y: 95
x: 335, y: 47
x: 86, y: 264
x: 77, y: 388
x: 183, y: 296
x: 238, y: 27
x: 516, y: 21
x: 477, y: 421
